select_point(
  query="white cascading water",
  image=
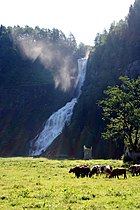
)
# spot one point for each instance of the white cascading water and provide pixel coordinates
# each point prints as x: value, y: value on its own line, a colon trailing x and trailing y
x: 56, y: 122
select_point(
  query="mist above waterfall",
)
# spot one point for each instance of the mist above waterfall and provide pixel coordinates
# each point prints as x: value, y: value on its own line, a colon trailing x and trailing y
x: 60, y: 64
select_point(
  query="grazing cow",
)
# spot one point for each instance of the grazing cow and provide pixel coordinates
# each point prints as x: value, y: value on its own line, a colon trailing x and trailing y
x: 106, y: 169
x: 135, y: 169
x: 118, y: 171
x: 82, y: 171
x: 85, y: 170
x: 94, y: 170
x: 138, y: 171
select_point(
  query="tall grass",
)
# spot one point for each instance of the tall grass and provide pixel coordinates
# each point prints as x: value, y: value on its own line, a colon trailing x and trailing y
x: 39, y: 183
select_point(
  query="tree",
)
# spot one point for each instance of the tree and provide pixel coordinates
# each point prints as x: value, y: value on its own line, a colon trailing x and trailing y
x: 121, y: 110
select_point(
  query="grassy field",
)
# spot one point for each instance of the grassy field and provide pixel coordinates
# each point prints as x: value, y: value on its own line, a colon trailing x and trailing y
x: 39, y: 183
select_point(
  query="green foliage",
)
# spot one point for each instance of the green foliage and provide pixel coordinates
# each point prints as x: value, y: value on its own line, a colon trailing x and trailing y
x: 121, y: 109
x: 28, y: 183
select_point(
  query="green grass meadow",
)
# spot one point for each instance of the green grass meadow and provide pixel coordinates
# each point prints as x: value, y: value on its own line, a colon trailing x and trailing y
x: 39, y: 183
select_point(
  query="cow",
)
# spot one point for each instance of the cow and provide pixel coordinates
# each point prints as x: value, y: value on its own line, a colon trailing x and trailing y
x: 85, y: 170
x: 106, y: 169
x: 118, y: 171
x: 95, y: 170
x: 135, y: 169
x: 138, y: 171
x: 82, y: 171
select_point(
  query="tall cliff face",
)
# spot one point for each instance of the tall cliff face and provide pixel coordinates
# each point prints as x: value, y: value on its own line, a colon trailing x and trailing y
x: 116, y: 53
x: 87, y: 124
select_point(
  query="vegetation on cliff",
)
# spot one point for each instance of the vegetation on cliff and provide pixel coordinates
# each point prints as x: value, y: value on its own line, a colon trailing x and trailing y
x: 38, y: 68
x: 116, y: 53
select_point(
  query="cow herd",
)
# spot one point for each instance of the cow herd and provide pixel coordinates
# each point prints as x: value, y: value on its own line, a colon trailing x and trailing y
x: 85, y: 171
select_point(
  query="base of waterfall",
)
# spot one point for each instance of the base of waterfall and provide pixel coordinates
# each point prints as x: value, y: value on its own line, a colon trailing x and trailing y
x: 52, y: 129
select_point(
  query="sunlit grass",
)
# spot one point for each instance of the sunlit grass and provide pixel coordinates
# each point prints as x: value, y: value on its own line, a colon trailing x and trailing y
x: 39, y: 183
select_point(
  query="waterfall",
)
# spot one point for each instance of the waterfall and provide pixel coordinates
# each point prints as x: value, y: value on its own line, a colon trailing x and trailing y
x: 56, y: 122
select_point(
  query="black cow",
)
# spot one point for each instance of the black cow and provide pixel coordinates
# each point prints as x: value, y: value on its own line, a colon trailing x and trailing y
x: 82, y: 171
x: 94, y: 170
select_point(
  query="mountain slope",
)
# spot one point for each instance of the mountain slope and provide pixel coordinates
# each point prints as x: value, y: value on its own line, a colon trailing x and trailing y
x: 116, y: 53
x: 32, y: 82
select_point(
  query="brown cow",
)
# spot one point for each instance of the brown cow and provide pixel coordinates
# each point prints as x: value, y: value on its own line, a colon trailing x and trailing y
x: 118, y: 171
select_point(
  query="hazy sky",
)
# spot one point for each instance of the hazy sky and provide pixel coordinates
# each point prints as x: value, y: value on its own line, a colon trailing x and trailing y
x: 83, y: 18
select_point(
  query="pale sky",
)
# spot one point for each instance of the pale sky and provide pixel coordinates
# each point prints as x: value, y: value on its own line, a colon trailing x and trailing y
x: 83, y: 18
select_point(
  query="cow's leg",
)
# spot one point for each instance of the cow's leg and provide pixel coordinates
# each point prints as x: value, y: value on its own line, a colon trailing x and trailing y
x: 77, y: 175
x: 125, y: 177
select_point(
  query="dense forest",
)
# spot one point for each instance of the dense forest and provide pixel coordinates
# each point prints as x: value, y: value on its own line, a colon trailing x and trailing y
x: 34, y: 82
